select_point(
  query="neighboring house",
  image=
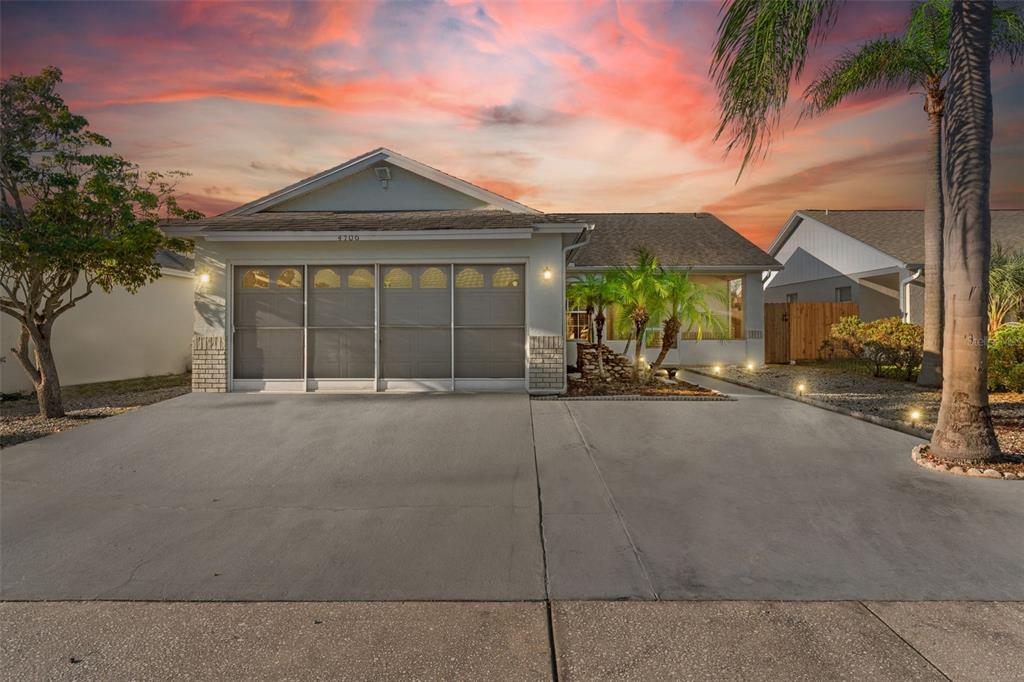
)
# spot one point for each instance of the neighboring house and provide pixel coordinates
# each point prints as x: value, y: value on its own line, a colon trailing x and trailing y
x: 873, y: 258
x: 119, y: 335
x: 386, y: 274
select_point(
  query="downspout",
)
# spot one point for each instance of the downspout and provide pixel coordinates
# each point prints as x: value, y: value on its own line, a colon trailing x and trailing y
x: 905, y: 293
x: 579, y: 243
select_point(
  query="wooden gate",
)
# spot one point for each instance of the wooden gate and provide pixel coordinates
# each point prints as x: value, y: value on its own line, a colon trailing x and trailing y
x: 795, y: 331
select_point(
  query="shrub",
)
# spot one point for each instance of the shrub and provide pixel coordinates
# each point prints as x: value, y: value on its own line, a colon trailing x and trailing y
x: 888, y: 342
x: 1006, y: 358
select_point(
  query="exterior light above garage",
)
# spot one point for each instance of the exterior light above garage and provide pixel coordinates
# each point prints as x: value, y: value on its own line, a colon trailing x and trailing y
x: 547, y: 273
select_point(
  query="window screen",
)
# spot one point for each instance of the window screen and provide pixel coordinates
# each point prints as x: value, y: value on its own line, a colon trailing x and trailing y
x: 490, y: 314
x: 340, y: 318
x: 415, y: 322
x: 268, y: 318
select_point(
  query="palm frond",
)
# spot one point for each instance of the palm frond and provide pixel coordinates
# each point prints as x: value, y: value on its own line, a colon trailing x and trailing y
x: 926, y: 37
x: 762, y: 45
x: 1007, y: 32
x: 883, y: 63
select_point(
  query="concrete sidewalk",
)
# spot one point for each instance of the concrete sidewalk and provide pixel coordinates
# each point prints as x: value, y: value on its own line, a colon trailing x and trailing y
x: 511, y: 640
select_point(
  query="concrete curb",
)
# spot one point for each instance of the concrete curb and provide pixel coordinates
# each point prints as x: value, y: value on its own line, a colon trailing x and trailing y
x: 878, y: 421
x: 668, y: 398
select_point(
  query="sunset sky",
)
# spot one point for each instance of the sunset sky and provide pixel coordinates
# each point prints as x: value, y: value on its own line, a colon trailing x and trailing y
x: 575, y: 106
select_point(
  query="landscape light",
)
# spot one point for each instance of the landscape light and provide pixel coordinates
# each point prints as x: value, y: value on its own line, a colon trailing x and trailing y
x: 717, y: 369
x: 915, y: 416
x: 750, y: 366
x: 801, y: 388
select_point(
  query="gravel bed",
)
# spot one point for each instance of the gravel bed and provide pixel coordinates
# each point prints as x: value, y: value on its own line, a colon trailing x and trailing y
x: 20, y: 420
x: 885, y: 398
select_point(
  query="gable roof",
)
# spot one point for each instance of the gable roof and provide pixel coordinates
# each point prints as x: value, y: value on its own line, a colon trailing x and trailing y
x: 676, y: 239
x: 367, y: 160
x: 900, y: 233
x: 378, y: 221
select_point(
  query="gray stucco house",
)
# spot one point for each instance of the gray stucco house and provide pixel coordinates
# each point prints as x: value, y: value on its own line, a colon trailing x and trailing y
x: 873, y: 258
x: 383, y: 273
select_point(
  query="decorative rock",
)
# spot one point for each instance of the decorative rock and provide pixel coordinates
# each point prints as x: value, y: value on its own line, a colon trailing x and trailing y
x: 957, y: 470
x: 974, y: 472
x: 575, y: 375
x: 1010, y: 475
x: 661, y: 373
x: 991, y: 473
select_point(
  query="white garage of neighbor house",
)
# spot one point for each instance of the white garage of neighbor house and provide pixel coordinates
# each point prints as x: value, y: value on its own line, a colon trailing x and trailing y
x: 386, y: 274
x: 873, y: 258
x: 107, y: 337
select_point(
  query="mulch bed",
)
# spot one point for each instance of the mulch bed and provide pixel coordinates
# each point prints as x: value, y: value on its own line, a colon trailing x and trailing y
x: 20, y: 420
x: 596, y: 387
x: 1011, y: 466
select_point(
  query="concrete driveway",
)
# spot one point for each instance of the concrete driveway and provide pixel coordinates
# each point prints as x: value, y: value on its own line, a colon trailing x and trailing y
x: 327, y: 497
x: 316, y: 497
x: 762, y: 498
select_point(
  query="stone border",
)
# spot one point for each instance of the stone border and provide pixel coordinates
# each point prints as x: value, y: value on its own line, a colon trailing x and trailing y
x: 667, y: 398
x: 919, y: 450
x: 856, y: 414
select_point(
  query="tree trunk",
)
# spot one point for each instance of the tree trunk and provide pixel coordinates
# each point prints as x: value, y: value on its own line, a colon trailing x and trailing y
x: 599, y: 328
x: 637, y: 350
x: 931, y: 362
x: 964, y: 432
x: 668, y: 337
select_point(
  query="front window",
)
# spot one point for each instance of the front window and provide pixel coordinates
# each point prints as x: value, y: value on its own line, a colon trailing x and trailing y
x: 736, y: 307
x: 578, y: 325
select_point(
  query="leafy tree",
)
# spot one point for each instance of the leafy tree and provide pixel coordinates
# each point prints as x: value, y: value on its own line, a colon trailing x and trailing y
x: 685, y: 301
x: 636, y: 289
x: 916, y: 61
x: 1006, y: 358
x: 594, y: 294
x: 1005, y: 286
x: 762, y: 46
x: 73, y: 220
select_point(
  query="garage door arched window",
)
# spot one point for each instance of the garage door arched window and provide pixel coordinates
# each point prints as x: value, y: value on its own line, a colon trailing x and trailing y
x: 255, y: 279
x: 360, y: 278
x: 397, y: 278
x: 504, y: 278
x: 469, y: 278
x: 289, y: 279
x: 433, y: 278
x: 325, y: 278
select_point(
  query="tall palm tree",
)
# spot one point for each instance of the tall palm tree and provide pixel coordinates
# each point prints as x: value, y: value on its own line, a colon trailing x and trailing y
x: 637, y: 291
x: 963, y: 432
x: 594, y: 294
x: 917, y: 59
x: 1005, y: 286
x: 762, y: 45
x: 685, y: 301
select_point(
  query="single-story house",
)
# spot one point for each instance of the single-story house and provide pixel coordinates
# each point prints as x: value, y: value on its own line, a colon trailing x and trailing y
x: 873, y: 258
x: 107, y: 337
x: 383, y: 273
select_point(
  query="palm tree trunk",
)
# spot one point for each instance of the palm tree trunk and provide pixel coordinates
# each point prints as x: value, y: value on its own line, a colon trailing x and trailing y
x: 931, y: 362
x: 964, y: 432
x: 668, y: 337
x: 599, y: 328
x: 637, y: 350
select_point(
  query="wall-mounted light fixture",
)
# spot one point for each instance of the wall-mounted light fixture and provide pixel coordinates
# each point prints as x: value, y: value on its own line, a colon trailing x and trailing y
x: 548, y: 273
x: 204, y: 278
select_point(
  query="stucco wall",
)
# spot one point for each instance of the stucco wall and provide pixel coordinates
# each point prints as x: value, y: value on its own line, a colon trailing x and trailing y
x: 114, y: 336
x: 543, y: 297
x: 875, y: 302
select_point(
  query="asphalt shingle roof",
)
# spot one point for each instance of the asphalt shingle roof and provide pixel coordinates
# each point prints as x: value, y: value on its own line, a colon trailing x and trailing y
x: 900, y: 233
x: 370, y: 221
x: 675, y: 239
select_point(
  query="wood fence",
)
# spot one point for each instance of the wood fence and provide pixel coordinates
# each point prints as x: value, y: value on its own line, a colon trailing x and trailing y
x: 795, y: 331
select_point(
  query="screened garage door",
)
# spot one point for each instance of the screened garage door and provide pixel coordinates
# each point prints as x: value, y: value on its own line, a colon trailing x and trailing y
x: 365, y: 327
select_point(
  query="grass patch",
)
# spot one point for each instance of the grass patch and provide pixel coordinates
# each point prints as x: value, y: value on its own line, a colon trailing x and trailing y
x: 137, y: 385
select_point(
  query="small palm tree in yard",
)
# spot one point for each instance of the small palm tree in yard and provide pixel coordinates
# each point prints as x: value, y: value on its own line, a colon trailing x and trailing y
x: 594, y: 294
x: 686, y: 302
x: 638, y: 292
x: 917, y: 60
x: 1005, y: 286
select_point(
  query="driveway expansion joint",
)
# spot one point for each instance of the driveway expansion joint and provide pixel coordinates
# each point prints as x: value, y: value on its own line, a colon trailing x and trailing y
x: 905, y: 642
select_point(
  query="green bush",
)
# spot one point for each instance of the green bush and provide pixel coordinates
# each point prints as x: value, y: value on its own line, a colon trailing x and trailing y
x: 888, y: 345
x: 1006, y: 358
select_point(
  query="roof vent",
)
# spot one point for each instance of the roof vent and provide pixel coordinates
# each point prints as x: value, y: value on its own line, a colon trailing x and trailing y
x: 383, y: 174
